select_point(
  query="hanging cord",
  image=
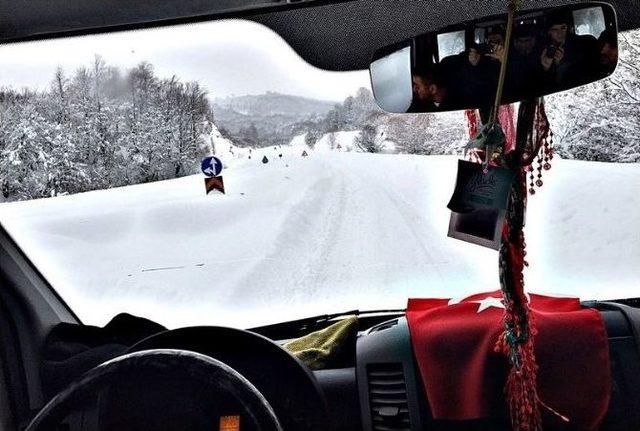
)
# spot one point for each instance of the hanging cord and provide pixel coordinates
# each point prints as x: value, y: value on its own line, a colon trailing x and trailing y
x: 517, y: 339
x: 512, y: 7
x: 490, y: 140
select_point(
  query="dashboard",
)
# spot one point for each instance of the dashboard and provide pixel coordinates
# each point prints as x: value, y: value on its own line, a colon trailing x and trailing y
x: 384, y: 391
x: 378, y: 387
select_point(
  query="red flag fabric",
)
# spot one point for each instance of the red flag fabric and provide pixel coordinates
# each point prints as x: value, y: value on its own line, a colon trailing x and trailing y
x: 464, y: 377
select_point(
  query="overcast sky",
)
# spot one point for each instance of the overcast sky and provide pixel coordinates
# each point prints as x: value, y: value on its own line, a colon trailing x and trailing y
x: 230, y: 57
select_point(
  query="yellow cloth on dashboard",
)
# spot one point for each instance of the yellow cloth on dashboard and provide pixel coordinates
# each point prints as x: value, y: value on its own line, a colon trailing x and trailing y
x: 320, y: 347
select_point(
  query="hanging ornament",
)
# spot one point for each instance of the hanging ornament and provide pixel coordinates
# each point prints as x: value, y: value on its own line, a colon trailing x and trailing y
x: 516, y: 151
x: 506, y: 120
x: 471, y: 116
x: 517, y: 339
x: 526, y: 151
x: 541, y: 143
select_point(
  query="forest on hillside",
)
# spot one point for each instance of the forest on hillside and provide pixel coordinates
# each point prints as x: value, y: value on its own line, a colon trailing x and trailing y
x: 97, y: 129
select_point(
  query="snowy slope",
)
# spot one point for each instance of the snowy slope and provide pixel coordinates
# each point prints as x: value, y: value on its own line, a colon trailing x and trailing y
x: 330, y: 232
x: 224, y: 148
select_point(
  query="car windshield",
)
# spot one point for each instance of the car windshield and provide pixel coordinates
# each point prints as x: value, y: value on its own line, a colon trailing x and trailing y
x: 329, y: 203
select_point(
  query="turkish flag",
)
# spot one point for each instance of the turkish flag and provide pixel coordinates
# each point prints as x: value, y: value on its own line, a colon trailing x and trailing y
x: 454, y: 340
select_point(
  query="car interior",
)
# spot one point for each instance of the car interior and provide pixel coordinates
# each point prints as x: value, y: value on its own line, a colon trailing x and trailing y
x: 210, y: 377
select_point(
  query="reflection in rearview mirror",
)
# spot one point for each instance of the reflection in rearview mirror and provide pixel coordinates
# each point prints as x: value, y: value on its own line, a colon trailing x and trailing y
x: 551, y: 50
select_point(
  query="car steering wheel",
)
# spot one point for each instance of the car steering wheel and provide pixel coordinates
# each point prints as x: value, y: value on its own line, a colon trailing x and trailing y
x: 209, y: 378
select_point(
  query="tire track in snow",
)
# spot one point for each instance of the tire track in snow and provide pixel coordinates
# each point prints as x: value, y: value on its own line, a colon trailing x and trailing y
x: 297, y: 264
x: 351, y: 230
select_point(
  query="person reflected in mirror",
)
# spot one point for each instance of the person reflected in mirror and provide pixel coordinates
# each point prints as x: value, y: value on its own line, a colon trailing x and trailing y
x: 429, y: 93
x: 473, y: 82
x: 524, y: 70
x: 474, y: 55
x: 568, y: 60
x: 525, y: 40
x: 608, y: 44
x: 495, y: 43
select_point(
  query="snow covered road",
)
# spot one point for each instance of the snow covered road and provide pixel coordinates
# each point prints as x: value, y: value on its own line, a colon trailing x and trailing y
x: 300, y: 236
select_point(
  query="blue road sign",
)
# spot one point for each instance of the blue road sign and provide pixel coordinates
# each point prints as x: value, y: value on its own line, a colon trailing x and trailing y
x: 211, y: 166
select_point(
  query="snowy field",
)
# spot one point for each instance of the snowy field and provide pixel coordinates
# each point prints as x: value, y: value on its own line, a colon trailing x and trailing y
x: 331, y: 232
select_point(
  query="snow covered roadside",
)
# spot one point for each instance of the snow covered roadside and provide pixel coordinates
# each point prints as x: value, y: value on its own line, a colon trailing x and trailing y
x: 330, y: 232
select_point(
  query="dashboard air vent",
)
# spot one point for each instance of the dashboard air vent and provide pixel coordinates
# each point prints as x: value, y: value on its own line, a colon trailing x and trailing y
x: 388, y: 397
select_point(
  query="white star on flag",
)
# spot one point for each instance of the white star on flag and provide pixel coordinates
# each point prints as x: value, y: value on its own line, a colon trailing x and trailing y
x: 489, y: 302
x: 485, y: 303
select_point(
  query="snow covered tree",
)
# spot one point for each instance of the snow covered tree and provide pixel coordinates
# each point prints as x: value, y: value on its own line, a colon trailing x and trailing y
x: 59, y: 96
x: 332, y: 141
x: 249, y: 136
x: 99, y: 128
x: 368, y: 140
x: 353, y: 113
x: 311, y: 137
x: 26, y: 160
x: 599, y: 122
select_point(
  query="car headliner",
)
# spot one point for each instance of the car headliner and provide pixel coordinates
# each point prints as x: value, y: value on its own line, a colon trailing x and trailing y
x: 338, y: 35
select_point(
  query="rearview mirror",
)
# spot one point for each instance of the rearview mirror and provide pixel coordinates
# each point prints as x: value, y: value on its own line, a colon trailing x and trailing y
x: 458, y: 67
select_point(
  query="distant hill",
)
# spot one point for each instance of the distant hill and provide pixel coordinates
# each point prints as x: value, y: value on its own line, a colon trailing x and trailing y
x: 276, y: 117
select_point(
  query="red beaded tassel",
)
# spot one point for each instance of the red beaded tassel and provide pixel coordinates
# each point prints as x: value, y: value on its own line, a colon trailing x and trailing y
x: 534, y: 141
x: 544, y: 143
x: 516, y: 342
x: 473, y: 128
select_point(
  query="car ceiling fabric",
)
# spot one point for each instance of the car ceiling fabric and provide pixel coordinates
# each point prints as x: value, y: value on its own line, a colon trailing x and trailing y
x: 337, y: 36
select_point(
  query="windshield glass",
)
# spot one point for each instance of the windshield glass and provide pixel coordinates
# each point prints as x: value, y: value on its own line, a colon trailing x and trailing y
x: 329, y: 205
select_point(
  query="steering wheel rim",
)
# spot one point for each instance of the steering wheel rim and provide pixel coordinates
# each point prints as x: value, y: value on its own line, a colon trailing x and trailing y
x: 201, y: 368
x: 288, y: 384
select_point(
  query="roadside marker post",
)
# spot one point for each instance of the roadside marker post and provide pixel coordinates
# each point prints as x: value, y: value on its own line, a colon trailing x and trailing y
x: 211, y: 167
x: 214, y: 183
